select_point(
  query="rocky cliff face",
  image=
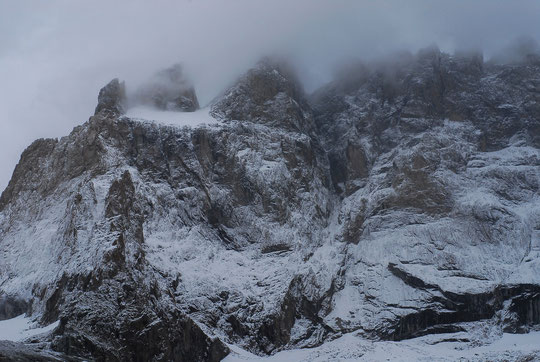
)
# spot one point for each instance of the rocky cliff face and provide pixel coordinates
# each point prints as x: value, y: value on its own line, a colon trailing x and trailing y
x: 400, y: 200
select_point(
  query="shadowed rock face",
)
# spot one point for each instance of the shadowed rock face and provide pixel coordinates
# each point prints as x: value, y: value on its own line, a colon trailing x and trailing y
x: 11, y: 307
x: 400, y: 200
x: 521, y: 311
x: 142, y: 330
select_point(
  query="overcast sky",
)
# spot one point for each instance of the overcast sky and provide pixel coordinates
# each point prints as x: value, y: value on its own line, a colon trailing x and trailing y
x: 55, y: 55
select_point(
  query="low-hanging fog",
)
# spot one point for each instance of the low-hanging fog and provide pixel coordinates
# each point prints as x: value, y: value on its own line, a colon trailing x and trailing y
x: 55, y: 55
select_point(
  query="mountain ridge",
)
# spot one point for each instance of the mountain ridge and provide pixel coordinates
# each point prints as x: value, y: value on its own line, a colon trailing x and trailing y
x: 396, y: 202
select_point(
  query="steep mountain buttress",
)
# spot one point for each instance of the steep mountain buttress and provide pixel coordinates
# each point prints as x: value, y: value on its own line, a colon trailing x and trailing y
x: 399, y: 200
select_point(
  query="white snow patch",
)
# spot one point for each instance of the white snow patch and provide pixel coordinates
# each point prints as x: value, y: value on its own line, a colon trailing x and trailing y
x: 20, y: 328
x: 191, y: 119
x: 353, y: 348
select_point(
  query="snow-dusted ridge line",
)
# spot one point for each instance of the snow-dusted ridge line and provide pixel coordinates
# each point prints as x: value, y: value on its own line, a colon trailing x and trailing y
x: 172, y: 118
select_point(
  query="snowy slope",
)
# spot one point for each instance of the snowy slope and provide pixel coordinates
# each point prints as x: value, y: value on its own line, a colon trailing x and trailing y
x: 21, y: 328
x: 175, y: 118
x: 444, y: 347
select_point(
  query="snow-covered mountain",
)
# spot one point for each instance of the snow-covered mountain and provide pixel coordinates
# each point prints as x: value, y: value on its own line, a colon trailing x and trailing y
x: 399, y: 202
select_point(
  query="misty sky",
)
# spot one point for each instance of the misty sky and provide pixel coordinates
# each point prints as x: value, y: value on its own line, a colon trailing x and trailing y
x: 55, y: 55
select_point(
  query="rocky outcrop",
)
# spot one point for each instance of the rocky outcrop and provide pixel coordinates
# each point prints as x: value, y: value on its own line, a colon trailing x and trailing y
x: 517, y: 307
x: 112, y: 98
x: 143, y: 329
x: 31, y: 158
x: 269, y: 94
x: 168, y: 89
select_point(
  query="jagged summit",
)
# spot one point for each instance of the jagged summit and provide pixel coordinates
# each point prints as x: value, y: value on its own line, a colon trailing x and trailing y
x: 168, y: 89
x: 112, y: 98
x: 270, y: 94
x: 400, y: 200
